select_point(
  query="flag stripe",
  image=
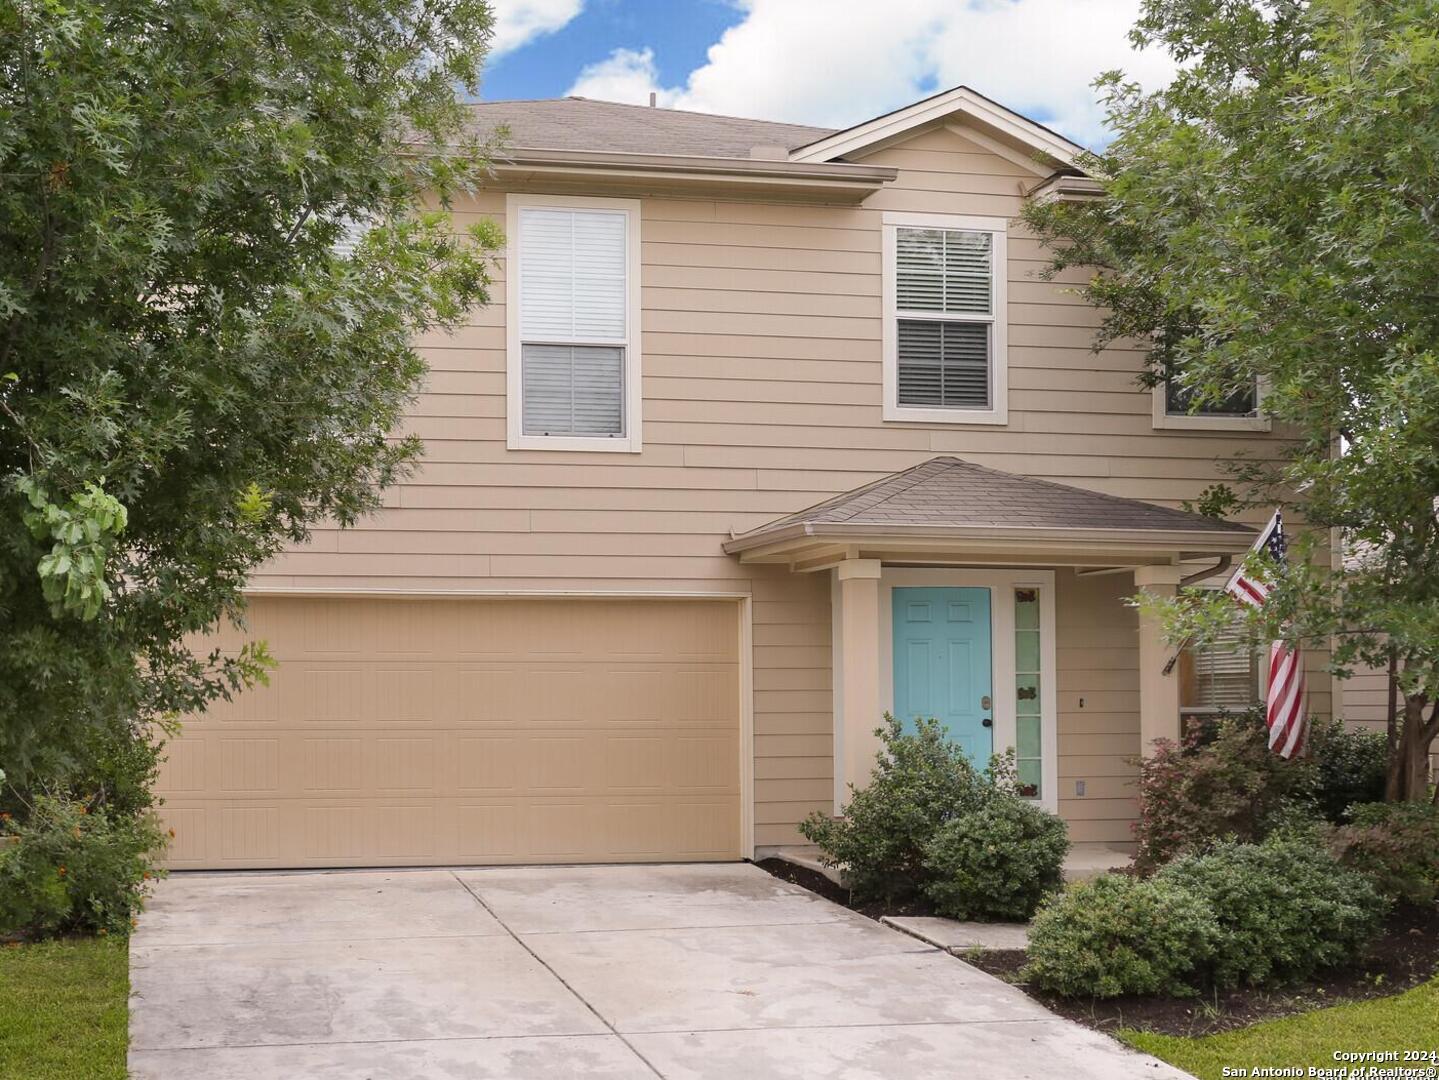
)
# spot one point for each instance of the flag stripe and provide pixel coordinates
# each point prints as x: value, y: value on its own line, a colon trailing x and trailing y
x: 1284, y: 703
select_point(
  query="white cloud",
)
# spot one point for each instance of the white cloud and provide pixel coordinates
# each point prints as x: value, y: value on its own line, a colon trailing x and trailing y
x: 518, y: 22
x: 627, y: 75
x: 838, y: 62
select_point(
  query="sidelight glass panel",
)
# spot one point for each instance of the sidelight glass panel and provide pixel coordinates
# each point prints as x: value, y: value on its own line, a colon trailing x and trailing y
x: 1028, y: 701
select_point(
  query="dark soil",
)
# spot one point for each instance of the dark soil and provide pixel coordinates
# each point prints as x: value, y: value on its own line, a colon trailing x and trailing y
x: 1405, y: 955
x: 816, y: 882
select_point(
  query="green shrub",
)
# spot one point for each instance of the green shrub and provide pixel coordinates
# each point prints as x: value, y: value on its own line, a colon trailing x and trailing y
x: 1120, y: 935
x: 1284, y: 909
x: 1395, y: 845
x: 1351, y: 767
x: 996, y: 862
x: 64, y: 868
x: 919, y: 782
x: 1222, y: 783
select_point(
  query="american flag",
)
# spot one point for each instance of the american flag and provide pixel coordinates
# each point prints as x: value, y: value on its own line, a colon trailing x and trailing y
x: 1284, y: 712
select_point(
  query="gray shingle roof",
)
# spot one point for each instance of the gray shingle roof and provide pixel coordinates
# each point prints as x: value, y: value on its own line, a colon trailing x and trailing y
x: 949, y: 492
x: 581, y: 124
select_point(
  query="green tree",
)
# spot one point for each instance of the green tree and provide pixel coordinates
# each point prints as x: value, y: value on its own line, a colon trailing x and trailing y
x: 221, y: 228
x: 1273, y: 215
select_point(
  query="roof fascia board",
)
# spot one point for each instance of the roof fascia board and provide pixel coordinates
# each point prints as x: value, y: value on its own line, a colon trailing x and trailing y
x: 1088, y: 539
x: 959, y: 100
x: 842, y: 173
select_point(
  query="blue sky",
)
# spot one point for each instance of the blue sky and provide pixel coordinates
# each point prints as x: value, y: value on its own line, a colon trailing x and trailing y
x: 824, y: 62
x: 678, y: 31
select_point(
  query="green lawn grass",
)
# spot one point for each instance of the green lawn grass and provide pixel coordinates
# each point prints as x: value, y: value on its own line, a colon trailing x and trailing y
x: 64, y: 1012
x: 1408, y: 1021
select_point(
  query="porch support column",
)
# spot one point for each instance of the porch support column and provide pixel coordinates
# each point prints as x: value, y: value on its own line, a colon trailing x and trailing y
x: 860, y: 701
x: 1158, y: 692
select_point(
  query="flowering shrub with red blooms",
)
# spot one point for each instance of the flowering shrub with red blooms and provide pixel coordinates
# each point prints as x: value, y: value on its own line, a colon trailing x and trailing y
x: 1219, y: 784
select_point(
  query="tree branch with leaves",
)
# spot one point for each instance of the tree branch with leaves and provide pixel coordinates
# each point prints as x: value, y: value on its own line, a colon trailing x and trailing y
x: 1272, y: 218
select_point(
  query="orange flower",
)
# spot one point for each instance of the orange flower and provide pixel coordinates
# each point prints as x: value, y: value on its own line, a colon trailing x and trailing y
x: 60, y: 870
x: 146, y: 875
x: 172, y: 834
x: 4, y: 817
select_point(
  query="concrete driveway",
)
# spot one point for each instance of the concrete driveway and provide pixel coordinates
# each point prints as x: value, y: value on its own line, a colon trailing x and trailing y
x: 608, y: 972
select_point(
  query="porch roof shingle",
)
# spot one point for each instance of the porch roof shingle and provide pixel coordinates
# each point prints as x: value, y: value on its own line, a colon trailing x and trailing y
x: 947, y: 492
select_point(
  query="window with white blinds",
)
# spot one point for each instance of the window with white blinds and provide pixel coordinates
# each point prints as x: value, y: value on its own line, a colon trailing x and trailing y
x: 944, y: 348
x: 574, y: 297
x: 1222, y: 674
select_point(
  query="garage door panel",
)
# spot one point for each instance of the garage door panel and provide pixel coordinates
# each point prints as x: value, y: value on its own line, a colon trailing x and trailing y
x: 355, y: 755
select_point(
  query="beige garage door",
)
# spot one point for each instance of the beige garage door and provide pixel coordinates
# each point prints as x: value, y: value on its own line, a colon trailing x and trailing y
x: 434, y: 731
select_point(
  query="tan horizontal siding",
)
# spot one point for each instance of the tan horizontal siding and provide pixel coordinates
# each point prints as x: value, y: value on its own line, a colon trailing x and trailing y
x: 1098, y: 690
x: 761, y: 331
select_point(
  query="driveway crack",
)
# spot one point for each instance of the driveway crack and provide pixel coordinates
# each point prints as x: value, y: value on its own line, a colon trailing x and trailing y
x: 560, y: 978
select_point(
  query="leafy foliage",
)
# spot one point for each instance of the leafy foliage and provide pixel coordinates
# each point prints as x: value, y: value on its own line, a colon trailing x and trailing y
x: 1224, y: 784
x: 193, y: 369
x: 1351, y: 767
x: 1284, y: 909
x: 1270, y: 218
x: 1120, y: 935
x: 68, y: 869
x: 919, y: 782
x: 1396, y: 845
x: 996, y: 862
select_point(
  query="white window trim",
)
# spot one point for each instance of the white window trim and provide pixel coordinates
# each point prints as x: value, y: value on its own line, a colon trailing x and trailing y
x: 632, y: 441
x: 1166, y: 420
x: 998, y: 228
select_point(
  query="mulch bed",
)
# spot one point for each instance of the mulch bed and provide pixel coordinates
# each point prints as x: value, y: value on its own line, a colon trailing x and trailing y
x: 1405, y: 955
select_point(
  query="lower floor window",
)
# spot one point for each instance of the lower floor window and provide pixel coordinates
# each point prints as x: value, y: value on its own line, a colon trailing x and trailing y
x: 1219, y: 676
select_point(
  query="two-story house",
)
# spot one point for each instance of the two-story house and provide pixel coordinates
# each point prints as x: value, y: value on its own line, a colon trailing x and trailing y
x: 769, y: 430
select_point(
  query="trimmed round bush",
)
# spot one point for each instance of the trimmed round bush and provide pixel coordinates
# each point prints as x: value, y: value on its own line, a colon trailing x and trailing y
x: 1284, y: 909
x: 919, y: 782
x: 997, y: 862
x: 1120, y: 935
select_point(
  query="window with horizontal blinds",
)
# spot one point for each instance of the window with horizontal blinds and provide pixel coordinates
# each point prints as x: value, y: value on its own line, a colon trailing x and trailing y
x: 944, y: 304
x: 946, y: 270
x: 943, y: 365
x: 574, y: 327
x: 1222, y: 674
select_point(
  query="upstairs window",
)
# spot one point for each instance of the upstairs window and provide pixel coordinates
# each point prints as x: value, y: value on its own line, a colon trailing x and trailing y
x: 1179, y: 401
x: 945, y: 330
x: 1175, y: 407
x: 572, y: 292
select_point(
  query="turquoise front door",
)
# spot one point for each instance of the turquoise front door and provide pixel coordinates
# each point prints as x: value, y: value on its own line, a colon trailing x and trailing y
x: 942, y: 664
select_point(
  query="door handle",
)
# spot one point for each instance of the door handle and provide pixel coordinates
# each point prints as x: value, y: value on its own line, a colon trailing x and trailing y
x: 985, y: 703
x: 987, y: 722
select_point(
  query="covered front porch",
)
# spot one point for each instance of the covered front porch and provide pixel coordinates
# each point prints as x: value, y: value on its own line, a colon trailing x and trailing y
x: 1000, y: 605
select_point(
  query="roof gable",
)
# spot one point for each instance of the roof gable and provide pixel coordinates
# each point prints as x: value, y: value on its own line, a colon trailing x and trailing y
x: 961, y: 103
